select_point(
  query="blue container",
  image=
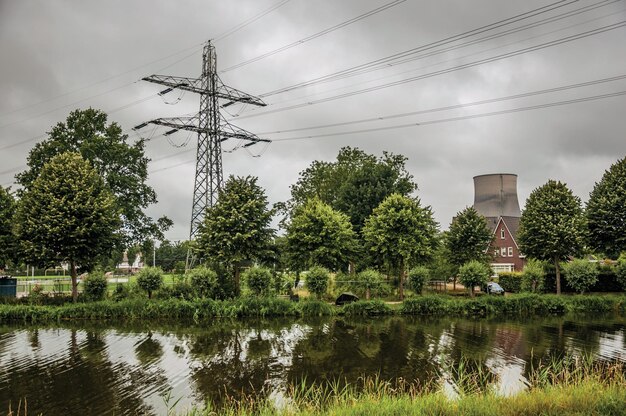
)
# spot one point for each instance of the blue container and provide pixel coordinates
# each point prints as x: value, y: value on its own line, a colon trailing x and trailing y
x: 8, y: 286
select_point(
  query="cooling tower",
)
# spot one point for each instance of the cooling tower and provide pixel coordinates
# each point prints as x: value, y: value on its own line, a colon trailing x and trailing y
x: 495, y: 195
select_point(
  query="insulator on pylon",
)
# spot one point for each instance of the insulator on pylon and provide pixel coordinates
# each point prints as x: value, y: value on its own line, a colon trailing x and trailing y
x: 165, y: 91
x: 140, y: 126
x: 167, y: 133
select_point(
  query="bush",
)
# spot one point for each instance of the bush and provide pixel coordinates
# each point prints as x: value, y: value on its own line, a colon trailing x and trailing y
x: 258, y: 280
x: 203, y: 282
x: 620, y: 270
x: 426, y: 305
x: 150, y: 279
x: 369, y: 280
x: 282, y: 283
x: 581, y: 274
x: 474, y: 273
x: 317, y: 281
x: 311, y: 307
x: 95, y: 286
x: 418, y: 277
x: 366, y: 308
x: 510, y: 281
x: 533, y: 276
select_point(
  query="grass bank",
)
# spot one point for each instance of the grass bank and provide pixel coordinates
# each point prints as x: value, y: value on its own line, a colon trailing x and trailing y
x: 206, y: 309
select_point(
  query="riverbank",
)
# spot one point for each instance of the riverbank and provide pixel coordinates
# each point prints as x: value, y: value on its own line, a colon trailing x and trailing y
x: 206, y: 309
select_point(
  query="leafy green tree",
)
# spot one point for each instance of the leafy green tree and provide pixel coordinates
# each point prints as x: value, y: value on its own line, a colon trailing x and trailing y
x: 552, y: 226
x: 474, y: 273
x: 67, y: 215
x: 150, y: 279
x: 606, y: 211
x: 468, y: 238
x: 237, y: 228
x: 533, y: 276
x: 95, y: 286
x: 317, y: 281
x: 402, y: 233
x: 122, y: 165
x: 581, y: 274
x: 168, y: 254
x: 7, y: 238
x: 620, y: 270
x: 369, y: 280
x: 319, y: 235
x: 204, y: 282
x: 258, y: 279
x: 354, y: 184
x: 418, y: 277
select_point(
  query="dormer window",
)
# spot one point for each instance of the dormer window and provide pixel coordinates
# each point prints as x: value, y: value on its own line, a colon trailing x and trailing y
x: 502, y: 233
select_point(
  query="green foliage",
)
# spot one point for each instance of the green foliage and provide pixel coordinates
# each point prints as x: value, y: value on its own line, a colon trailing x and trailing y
x: 122, y: 165
x: 620, y: 270
x: 425, y: 305
x: 354, y: 176
x: 317, y: 234
x: 533, y: 276
x: 468, y: 238
x: 317, y: 281
x: 606, y: 210
x: 237, y: 227
x: 474, y: 273
x: 204, y: 282
x: 95, y: 286
x: 67, y: 215
x: 7, y: 238
x: 581, y: 274
x: 552, y: 226
x: 418, y: 277
x: 150, y: 279
x: 511, y: 281
x: 401, y: 232
x: 258, y: 280
x: 365, y: 308
x: 312, y: 307
x: 370, y: 281
x: 169, y: 256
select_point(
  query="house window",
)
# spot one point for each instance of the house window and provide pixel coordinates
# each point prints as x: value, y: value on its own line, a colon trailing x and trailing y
x: 502, y: 233
x: 503, y: 252
x: 510, y: 250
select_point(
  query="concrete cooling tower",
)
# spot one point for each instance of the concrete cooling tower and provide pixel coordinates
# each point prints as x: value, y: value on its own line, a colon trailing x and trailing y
x: 495, y: 195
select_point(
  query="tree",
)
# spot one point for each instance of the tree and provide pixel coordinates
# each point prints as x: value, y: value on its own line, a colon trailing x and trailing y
x: 468, y: 238
x: 369, y: 280
x: 354, y: 184
x: 169, y: 254
x: 67, y: 215
x: 122, y: 165
x: 7, y: 238
x: 418, y: 277
x: 606, y: 211
x: 581, y: 274
x: 258, y: 279
x: 317, y: 281
x: 204, y: 282
x: 402, y: 233
x: 150, y: 279
x: 552, y: 226
x: 319, y: 235
x: 236, y: 228
x: 620, y: 270
x: 474, y: 273
x: 533, y: 276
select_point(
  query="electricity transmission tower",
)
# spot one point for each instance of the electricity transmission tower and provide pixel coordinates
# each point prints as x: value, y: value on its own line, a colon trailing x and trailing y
x: 211, y: 127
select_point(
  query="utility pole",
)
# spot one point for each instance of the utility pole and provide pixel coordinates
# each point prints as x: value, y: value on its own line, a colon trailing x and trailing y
x: 212, y: 130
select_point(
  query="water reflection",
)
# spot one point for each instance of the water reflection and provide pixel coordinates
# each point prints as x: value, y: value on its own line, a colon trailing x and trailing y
x: 130, y: 369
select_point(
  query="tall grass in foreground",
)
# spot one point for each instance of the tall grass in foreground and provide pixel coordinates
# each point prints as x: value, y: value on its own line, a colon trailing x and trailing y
x: 566, y: 386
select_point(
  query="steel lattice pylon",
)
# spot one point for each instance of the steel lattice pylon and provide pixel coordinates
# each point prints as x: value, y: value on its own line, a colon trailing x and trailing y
x: 212, y: 129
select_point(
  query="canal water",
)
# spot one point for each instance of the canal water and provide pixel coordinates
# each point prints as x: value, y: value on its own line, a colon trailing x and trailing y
x: 145, y: 369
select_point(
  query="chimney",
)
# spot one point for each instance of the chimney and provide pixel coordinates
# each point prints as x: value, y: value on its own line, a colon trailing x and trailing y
x: 495, y: 195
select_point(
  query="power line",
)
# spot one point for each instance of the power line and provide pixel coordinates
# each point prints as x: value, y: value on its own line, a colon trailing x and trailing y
x: 318, y: 34
x: 249, y: 21
x: 448, y: 70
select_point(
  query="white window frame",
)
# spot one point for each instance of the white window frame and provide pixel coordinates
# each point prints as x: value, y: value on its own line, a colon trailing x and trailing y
x: 510, y: 251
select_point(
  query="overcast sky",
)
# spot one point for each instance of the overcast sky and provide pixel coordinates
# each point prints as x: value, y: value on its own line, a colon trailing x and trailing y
x: 61, y: 55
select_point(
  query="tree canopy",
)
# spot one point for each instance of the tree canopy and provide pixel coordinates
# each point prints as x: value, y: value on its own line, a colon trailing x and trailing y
x: 67, y: 215
x: 237, y: 227
x: 402, y: 233
x: 7, y: 239
x: 320, y: 235
x: 552, y: 226
x: 468, y: 238
x: 606, y: 211
x: 122, y: 165
x: 354, y: 184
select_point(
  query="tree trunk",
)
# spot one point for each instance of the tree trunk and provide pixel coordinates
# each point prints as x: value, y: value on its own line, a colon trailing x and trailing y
x: 471, y: 288
x: 453, y: 284
x: 558, y: 276
x: 401, y: 286
x: 74, y: 282
x: 367, y: 294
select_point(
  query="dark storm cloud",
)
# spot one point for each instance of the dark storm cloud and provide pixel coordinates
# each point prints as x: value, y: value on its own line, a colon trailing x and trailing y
x: 65, y: 47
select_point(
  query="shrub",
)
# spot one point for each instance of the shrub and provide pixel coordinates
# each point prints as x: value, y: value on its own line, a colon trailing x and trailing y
x: 426, y: 305
x: 510, y: 281
x: 620, y: 270
x: 203, y: 282
x: 311, y: 307
x: 533, y: 276
x: 474, y: 273
x: 95, y: 286
x: 317, y: 281
x: 369, y: 280
x: 366, y: 308
x: 258, y: 280
x: 581, y: 274
x: 150, y: 279
x: 418, y: 277
x: 281, y: 283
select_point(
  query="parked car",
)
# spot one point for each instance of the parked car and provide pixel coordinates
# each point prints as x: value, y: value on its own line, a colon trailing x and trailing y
x: 494, y: 289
